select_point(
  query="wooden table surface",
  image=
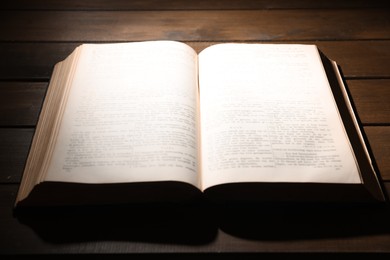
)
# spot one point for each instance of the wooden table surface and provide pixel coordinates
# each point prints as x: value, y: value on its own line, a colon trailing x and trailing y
x: 34, y: 35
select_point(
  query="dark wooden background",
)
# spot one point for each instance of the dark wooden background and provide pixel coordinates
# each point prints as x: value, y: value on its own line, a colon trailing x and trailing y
x: 34, y: 35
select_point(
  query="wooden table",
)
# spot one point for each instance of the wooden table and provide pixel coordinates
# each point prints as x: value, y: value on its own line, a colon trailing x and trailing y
x: 34, y: 35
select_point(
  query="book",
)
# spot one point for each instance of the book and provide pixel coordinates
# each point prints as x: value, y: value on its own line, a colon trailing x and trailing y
x: 156, y: 121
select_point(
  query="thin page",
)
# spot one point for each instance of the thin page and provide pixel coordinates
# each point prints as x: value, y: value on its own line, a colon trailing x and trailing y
x: 131, y: 116
x: 268, y: 115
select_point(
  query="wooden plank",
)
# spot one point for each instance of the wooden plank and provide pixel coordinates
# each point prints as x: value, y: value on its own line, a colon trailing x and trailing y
x: 358, y: 59
x: 359, y: 46
x: 14, y: 145
x: 379, y: 142
x: 247, y: 25
x: 31, y: 60
x: 371, y: 99
x: 185, y: 4
x: 211, y: 230
x: 20, y: 102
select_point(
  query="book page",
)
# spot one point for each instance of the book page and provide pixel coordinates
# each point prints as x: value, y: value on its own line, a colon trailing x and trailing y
x: 131, y: 116
x: 268, y: 115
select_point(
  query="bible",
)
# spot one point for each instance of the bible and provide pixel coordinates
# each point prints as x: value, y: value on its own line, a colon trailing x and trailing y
x: 157, y: 121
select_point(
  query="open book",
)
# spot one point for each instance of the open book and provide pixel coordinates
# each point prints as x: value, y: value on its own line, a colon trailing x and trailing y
x: 150, y: 121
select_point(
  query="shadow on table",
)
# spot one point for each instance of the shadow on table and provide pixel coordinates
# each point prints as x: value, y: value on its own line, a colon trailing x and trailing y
x: 157, y: 223
x: 303, y: 221
x: 198, y: 223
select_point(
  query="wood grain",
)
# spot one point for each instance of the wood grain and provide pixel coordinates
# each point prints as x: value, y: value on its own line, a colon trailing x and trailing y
x: 37, y: 34
x: 20, y: 102
x: 14, y: 147
x: 247, y: 25
x: 371, y: 100
x: 186, y: 5
x: 379, y: 141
